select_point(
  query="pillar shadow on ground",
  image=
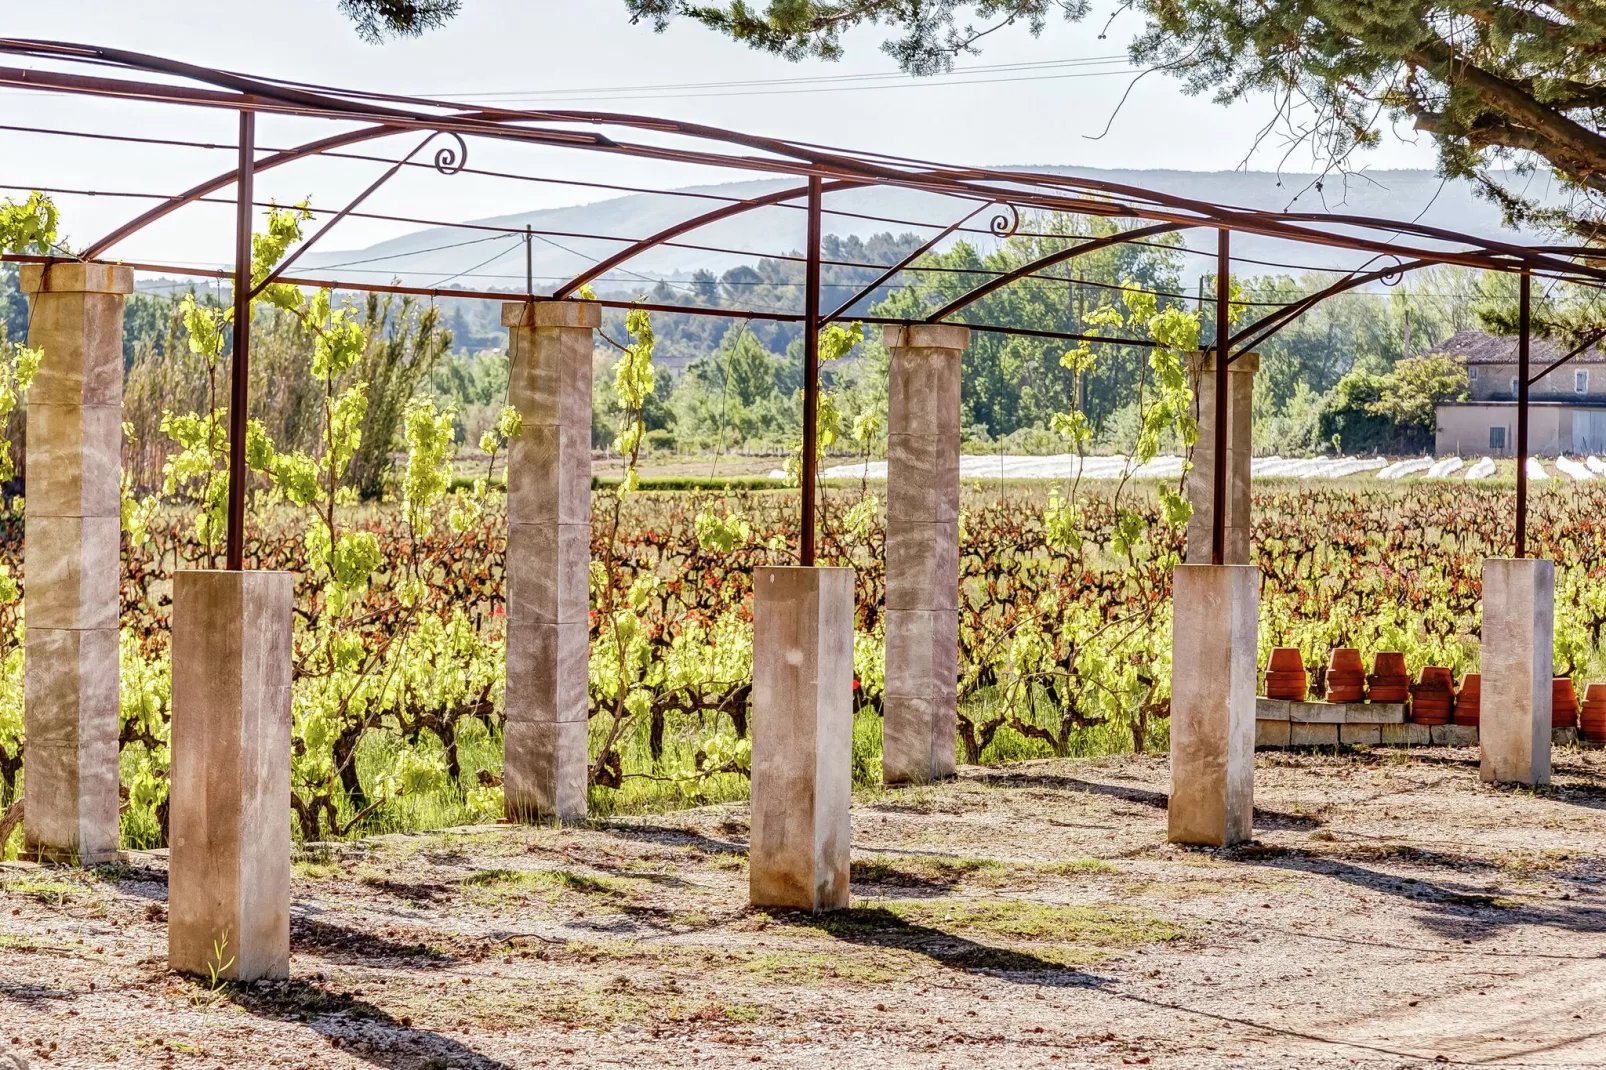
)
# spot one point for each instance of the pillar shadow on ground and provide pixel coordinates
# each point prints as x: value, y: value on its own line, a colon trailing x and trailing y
x: 667, y: 836
x: 358, y: 1028
x: 1157, y: 800
x: 336, y: 942
x: 877, y: 927
x: 1452, y: 908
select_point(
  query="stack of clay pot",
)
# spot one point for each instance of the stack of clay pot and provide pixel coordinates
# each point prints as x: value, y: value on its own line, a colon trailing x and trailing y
x: 1433, y: 697
x: 1346, y: 676
x: 1592, y: 720
x: 1389, y: 682
x: 1469, y: 700
x: 1563, y: 703
x: 1285, y: 674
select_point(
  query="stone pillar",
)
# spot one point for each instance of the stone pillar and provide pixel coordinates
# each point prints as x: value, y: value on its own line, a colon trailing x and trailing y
x: 72, y: 563
x: 228, y: 883
x: 802, y: 737
x: 1201, y: 480
x: 1518, y: 621
x: 922, y: 610
x: 548, y: 558
x: 1214, y: 611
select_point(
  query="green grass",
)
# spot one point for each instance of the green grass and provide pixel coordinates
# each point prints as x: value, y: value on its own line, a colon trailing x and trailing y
x: 1094, y: 741
x: 1001, y: 934
x: 661, y: 786
x: 490, y: 886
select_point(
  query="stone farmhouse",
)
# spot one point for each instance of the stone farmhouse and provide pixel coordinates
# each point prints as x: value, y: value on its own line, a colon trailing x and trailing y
x: 1567, y: 407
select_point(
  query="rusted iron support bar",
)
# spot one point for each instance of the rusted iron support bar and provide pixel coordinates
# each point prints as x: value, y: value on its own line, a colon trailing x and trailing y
x: 1218, y: 490
x: 1577, y: 350
x: 240, y: 371
x: 1524, y: 329
x: 811, y: 371
x: 1256, y: 333
x: 904, y: 263
x: 323, y: 231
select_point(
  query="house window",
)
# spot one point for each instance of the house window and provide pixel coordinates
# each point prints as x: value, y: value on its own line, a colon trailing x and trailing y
x: 1472, y: 373
x: 1497, y: 438
x: 1581, y: 381
x: 1513, y: 386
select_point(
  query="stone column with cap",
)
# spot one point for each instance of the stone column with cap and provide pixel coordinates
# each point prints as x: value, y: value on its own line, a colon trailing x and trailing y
x: 72, y: 562
x: 1215, y: 610
x: 922, y: 595
x: 1519, y: 620
x: 1201, y: 480
x: 548, y: 558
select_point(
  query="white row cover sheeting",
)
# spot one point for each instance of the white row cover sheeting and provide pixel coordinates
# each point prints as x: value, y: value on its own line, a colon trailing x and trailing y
x: 1065, y: 466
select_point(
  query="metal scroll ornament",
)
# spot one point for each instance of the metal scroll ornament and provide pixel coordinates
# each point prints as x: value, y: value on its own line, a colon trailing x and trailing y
x: 449, y: 161
x: 1005, y: 223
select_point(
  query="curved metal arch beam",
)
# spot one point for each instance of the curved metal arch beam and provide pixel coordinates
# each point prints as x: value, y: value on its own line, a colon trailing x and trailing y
x: 967, y: 299
x: 797, y: 158
x: 630, y: 252
x: 1261, y: 330
x: 343, y: 104
x: 227, y: 178
x: 446, y: 161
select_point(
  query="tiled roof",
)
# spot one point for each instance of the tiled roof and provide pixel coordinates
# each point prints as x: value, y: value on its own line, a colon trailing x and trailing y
x: 1480, y: 347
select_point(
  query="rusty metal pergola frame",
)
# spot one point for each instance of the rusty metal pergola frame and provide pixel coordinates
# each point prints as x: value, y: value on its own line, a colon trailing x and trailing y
x: 1399, y: 247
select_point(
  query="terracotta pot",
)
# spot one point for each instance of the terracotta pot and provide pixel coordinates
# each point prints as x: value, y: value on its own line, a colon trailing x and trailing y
x: 1286, y: 659
x: 1563, y: 703
x: 1346, y: 676
x: 1390, y: 663
x: 1389, y: 681
x: 1346, y: 659
x: 1433, y: 697
x: 1468, y: 700
x: 1437, y: 676
x: 1592, y: 721
x: 1286, y: 685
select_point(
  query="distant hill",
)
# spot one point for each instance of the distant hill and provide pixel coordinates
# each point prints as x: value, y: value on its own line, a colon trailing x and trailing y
x: 460, y: 258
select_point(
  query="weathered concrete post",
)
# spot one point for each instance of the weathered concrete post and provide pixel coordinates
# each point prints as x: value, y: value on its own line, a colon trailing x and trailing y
x: 802, y: 737
x: 1518, y: 659
x: 1213, y: 669
x: 548, y: 558
x: 1240, y: 430
x: 922, y: 621
x: 72, y: 560
x: 229, y: 863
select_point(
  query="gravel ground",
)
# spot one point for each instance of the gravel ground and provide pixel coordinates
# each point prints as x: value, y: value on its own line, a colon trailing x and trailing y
x: 1393, y: 912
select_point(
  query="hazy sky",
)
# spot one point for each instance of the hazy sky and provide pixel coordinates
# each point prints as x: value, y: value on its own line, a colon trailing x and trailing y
x: 546, y: 52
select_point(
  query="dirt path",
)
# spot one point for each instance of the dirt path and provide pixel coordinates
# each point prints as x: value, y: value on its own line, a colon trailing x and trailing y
x: 1393, y: 913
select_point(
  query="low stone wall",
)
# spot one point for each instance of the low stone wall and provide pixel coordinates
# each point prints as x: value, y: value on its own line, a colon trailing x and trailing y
x: 1283, y: 723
